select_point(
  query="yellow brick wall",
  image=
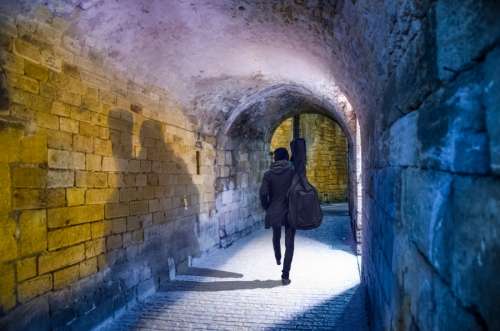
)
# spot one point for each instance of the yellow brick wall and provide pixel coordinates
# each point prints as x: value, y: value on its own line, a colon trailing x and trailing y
x: 326, y: 152
x: 89, y: 163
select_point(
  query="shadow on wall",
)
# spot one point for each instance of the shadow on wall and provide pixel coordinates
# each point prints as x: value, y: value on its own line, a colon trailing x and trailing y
x: 102, y: 239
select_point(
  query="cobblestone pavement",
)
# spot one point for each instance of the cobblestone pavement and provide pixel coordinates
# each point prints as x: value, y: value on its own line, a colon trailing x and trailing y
x: 239, y: 288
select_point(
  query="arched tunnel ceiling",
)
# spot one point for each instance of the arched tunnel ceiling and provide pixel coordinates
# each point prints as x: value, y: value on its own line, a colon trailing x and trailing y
x: 211, y: 56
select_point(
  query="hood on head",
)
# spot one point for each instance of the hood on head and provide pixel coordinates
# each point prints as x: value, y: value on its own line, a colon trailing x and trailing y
x: 280, y: 166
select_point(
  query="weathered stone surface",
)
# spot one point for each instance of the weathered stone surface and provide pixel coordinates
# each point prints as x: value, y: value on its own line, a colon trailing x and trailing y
x: 60, y: 178
x: 75, y: 196
x: 66, y: 276
x: 59, y: 217
x: 403, y: 143
x: 56, y: 260
x: 8, y: 244
x: 68, y: 236
x: 33, y: 232
x: 34, y: 287
x: 29, y: 177
x: 464, y: 30
x: 473, y: 244
x: 491, y: 70
x: 7, y: 288
x: 26, y: 268
x: 452, y: 135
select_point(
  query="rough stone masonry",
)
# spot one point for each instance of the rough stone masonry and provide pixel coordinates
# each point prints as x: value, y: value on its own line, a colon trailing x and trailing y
x: 326, y: 154
x: 136, y: 132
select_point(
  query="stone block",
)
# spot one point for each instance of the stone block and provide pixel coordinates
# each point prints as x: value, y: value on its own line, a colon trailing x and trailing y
x: 60, y: 109
x: 26, y: 50
x: 464, y: 30
x: 73, y: 99
x: 133, y: 223
x: 5, y: 188
x: 403, y: 141
x: 75, y: 196
x: 88, y: 129
x: 68, y: 236
x: 88, y: 267
x: 51, y: 261
x: 29, y: 199
x: 452, y: 135
x: 56, y: 197
x: 100, y: 229
x: 33, y: 232
x: 61, y: 217
x: 139, y: 207
x: 425, y: 208
x: 141, y: 180
x: 80, y: 115
x: 113, y: 242
x: 34, y: 148
x: 91, y: 179
x: 68, y: 125
x: 58, y: 159
x: 26, y: 268
x: 59, y: 140
x: 118, y: 225
x: 83, y: 143
x: 470, y: 246
x: 66, y: 276
x: 129, y: 194
x: 46, y: 120
x: 36, y: 71
x: 60, y: 178
x: 114, y: 210
x: 24, y: 83
x: 34, y: 287
x: 114, y: 164
x: 10, y: 137
x: 95, y: 247
x: 8, y: 244
x: 103, y: 147
x: 29, y: 177
x: 7, y: 287
x: 491, y: 70
x: 93, y: 162
x: 93, y: 196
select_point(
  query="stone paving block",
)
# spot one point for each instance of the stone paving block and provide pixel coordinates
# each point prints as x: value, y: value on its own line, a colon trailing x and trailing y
x: 247, y: 292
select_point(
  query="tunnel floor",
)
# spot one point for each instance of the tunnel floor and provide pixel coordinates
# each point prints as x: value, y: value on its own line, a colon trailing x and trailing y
x: 239, y: 288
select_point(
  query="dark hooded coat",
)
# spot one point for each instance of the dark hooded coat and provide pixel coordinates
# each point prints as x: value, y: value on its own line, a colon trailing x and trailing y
x: 273, y: 192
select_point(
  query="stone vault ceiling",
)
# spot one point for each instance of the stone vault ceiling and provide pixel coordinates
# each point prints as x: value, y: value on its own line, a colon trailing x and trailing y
x: 212, y: 56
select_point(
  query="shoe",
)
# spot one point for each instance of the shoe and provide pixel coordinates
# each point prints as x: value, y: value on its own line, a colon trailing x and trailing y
x: 285, y: 281
x: 278, y: 262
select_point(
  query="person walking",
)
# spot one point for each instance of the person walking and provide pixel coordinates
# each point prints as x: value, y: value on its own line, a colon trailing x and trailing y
x: 273, y: 197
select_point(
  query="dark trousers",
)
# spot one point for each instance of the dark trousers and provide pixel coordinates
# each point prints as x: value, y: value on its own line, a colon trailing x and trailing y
x: 289, y: 245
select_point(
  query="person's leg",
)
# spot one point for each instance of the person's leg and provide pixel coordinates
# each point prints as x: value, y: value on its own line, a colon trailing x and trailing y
x: 289, y: 244
x: 276, y: 243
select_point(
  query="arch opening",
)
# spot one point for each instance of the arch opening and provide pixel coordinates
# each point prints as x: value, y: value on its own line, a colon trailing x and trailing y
x: 251, y: 126
x: 327, y: 153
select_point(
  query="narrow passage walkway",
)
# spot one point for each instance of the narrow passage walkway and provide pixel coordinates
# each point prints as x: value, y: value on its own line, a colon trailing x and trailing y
x: 239, y: 288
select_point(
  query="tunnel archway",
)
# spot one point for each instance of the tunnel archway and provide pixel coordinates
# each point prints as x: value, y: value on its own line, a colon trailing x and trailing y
x: 251, y: 126
x: 327, y: 153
